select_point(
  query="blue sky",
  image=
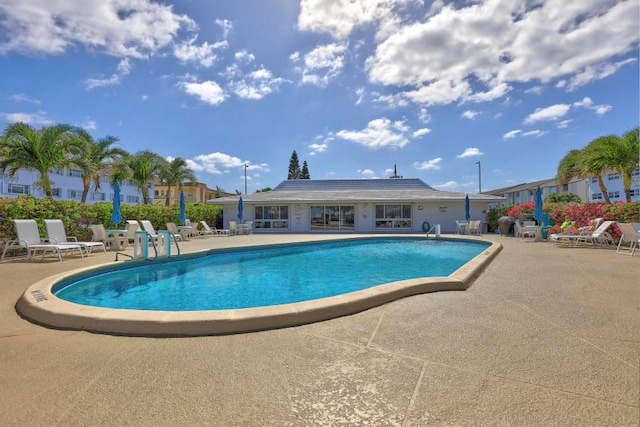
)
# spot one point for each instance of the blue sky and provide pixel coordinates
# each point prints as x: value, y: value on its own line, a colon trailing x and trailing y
x: 353, y: 86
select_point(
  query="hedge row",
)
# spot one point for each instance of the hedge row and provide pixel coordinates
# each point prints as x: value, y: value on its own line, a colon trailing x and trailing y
x: 78, y: 216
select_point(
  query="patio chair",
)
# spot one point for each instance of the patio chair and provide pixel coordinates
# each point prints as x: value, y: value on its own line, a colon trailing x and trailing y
x: 29, y: 239
x: 173, y: 229
x: 461, y: 226
x: 101, y: 235
x: 629, y: 239
x: 57, y: 234
x: 191, y: 232
x: 474, y: 227
x: 233, y: 227
x: 598, y: 237
x: 522, y: 233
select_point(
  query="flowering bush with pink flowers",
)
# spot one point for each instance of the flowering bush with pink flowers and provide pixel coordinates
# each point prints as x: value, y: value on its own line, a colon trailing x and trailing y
x: 582, y: 213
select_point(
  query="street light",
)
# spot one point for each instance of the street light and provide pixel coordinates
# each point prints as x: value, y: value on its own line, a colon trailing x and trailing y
x: 245, y: 178
x: 479, y: 177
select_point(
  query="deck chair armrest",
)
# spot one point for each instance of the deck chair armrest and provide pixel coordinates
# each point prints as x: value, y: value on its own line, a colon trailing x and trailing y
x: 72, y: 239
x: 47, y: 240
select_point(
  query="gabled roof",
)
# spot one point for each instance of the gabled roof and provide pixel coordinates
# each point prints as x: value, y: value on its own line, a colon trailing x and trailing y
x: 353, y: 190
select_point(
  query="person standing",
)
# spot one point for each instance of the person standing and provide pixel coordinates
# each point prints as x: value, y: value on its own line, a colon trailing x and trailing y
x: 485, y: 221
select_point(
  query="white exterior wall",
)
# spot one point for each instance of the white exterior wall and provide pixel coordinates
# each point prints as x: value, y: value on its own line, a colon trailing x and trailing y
x: 443, y: 213
x: 70, y: 188
x: 613, y: 183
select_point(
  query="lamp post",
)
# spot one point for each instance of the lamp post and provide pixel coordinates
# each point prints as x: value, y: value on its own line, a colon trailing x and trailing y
x: 245, y: 178
x: 479, y: 177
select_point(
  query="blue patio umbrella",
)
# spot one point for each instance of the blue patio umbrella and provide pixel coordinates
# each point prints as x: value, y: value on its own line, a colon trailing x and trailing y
x: 182, y: 217
x: 240, y: 209
x: 537, y: 214
x: 116, y: 218
x: 467, y: 216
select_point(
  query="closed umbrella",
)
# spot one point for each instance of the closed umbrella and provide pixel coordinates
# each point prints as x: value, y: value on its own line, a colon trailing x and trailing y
x: 182, y: 217
x: 537, y: 214
x: 467, y: 216
x: 116, y: 218
x: 240, y: 209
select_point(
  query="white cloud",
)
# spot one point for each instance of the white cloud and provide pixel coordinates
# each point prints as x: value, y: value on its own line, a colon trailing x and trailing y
x: 470, y: 114
x: 602, y: 109
x: 256, y: 84
x: 470, y: 152
x: 367, y: 172
x: 38, y: 118
x: 495, y: 43
x: 90, y: 125
x: 553, y: 112
x: 424, y: 115
x: 318, y: 148
x: 20, y: 97
x: 537, y: 90
x: 124, y: 68
x: 323, y: 63
x: 563, y: 124
x: 447, y: 185
x: 433, y: 164
x: 535, y: 132
x: 203, y: 54
x: 208, y: 91
x: 588, y: 103
x: 123, y: 29
x: 420, y: 132
x: 215, y: 162
x: 511, y: 134
x: 244, y: 56
x: 226, y: 26
x: 379, y: 133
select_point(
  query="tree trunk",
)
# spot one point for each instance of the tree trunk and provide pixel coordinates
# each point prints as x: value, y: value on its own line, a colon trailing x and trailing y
x: 605, y: 194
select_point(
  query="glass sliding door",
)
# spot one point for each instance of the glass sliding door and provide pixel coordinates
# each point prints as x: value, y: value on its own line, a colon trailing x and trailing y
x: 332, y: 218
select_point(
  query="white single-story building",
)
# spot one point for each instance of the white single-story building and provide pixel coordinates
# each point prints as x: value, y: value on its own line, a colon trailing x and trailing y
x: 353, y: 205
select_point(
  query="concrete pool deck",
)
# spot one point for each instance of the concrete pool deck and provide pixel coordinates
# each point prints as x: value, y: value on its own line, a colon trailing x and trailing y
x: 544, y: 336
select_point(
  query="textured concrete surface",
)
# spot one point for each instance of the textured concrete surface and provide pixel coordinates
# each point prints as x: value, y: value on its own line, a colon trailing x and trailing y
x: 544, y: 336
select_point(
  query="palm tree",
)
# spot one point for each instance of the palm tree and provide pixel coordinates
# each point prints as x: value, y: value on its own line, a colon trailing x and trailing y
x: 145, y: 166
x: 596, y: 160
x: 625, y: 157
x: 40, y: 150
x: 570, y: 167
x: 176, y: 172
x: 97, y: 157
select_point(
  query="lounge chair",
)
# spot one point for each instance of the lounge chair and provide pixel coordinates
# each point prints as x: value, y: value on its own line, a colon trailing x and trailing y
x: 101, y: 235
x: 629, y: 239
x: 598, y: 237
x: 148, y: 227
x: 212, y: 231
x: 131, y: 228
x: 57, y: 234
x: 29, y: 239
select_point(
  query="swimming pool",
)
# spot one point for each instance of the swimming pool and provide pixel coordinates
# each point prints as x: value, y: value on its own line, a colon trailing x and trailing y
x: 39, y: 303
x: 269, y: 276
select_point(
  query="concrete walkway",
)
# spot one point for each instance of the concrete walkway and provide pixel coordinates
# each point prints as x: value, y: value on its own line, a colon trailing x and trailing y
x: 545, y: 336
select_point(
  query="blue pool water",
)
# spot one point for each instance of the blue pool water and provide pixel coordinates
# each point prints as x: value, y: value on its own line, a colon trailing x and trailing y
x: 268, y: 276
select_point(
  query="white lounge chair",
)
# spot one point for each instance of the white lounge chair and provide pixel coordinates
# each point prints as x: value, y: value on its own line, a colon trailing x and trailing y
x: 522, y: 233
x: 131, y: 228
x: 474, y: 227
x: 29, y: 239
x: 598, y: 237
x: 148, y: 227
x: 233, y: 227
x: 629, y: 239
x: 57, y: 234
x: 212, y: 231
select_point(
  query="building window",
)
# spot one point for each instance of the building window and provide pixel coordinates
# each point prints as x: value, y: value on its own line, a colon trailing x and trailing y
x: 75, y: 194
x: 75, y: 172
x: 133, y: 199
x: 157, y: 193
x: 17, y: 189
x: 56, y: 192
x: 57, y: 171
x: 594, y: 180
x: 332, y: 218
x: 613, y: 176
x: 99, y: 196
x: 393, y: 216
x: 128, y: 182
x: 552, y: 190
x: 614, y: 194
x: 596, y: 196
x: 634, y: 192
x: 271, y: 217
x: 635, y: 174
